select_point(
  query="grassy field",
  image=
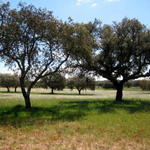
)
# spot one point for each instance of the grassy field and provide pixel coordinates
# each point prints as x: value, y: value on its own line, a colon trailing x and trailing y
x: 66, y: 121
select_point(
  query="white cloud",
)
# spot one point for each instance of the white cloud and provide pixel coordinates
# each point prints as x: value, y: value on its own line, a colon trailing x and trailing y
x: 112, y: 0
x: 79, y: 2
x: 94, y: 4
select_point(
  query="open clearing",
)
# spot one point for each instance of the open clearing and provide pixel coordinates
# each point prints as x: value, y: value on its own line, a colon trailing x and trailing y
x: 66, y: 121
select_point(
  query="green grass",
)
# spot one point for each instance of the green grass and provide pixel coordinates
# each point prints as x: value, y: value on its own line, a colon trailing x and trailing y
x: 71, y: 122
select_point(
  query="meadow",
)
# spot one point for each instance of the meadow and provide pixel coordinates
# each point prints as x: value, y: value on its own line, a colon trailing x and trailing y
x: 67, y: 121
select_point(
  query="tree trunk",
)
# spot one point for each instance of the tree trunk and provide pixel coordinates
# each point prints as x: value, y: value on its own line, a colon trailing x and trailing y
x: 8, y: 90
x: 79, y: 91
x: 119, y: 93
x: 15, y: 89
x: 27, y: 100
x: 26, y: 94
x: 52, y: 91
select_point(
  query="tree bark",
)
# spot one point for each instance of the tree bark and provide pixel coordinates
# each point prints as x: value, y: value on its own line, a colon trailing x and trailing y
x: 26, y: 94
x: 52, y: 91
x: 119, y: 93
x: 79, y: 91
x: 8, y: 90
x: 15, y: 89
x: 27, y: 100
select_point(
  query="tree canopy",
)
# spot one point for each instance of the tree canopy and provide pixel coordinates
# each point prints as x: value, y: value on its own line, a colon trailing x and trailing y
x: 81, y: 82
x: 8, y: 81
x: 35, y: 44
x: 55, y: 82
x: 121, y: 53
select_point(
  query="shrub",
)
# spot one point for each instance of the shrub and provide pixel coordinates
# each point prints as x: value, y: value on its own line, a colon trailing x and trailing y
x: 145, y: 85
x: 106, y: 85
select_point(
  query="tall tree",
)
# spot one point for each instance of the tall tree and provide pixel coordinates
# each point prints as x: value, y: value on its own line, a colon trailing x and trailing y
x: 37, y: 44
x: 121, y: 52
x: 34, y: 47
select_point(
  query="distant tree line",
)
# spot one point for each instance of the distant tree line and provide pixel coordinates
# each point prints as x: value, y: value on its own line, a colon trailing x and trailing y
x: 143, y: 84
x: 53, y: 82
x: 36, y: 45
x: 59, y: 82
x: 8, y: 81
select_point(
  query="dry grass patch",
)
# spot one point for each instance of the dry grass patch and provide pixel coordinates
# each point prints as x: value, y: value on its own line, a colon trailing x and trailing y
x: 53, y: 140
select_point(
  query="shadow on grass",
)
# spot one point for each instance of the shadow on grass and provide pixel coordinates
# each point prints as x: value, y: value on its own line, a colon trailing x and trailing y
x: 67, y: 111
x: 108, y: 106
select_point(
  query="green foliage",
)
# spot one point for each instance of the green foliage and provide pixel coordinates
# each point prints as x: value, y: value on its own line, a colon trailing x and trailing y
x: 109, y: 85
x: 106, y: 84
x: 122, y: 52
x: 70, y: 83
x: 81, y: 82
x: 36, y: 44
x: 120, y: 48
x: 8, y: 80
x: 133, y: 83
x: 145, y: 85
x: 55, y: 82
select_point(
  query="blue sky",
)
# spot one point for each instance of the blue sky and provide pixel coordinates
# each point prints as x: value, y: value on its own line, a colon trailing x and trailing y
x: 86, y: 10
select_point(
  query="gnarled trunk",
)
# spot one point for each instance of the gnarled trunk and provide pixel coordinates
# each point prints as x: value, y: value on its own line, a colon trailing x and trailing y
x: 27, y: 100
x: 26, y: 94
x: 119, y: 93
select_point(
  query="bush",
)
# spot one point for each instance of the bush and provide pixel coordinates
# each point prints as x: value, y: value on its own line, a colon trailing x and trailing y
x: 145, y: 85
x: 106, y: 85
x: 55, y: 82
x: 128, y: 84
x: 136, y: 83
x: 81, y: 82
x: 9, y: 80
x: 133, y: 83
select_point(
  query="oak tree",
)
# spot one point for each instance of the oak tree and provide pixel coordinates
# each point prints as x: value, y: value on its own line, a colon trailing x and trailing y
x: 33, y: 47
x: 81, y: 82
x: 8, y: 81
x: 55, y: 82
x: 121, y: 53
x: 36, y: 44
